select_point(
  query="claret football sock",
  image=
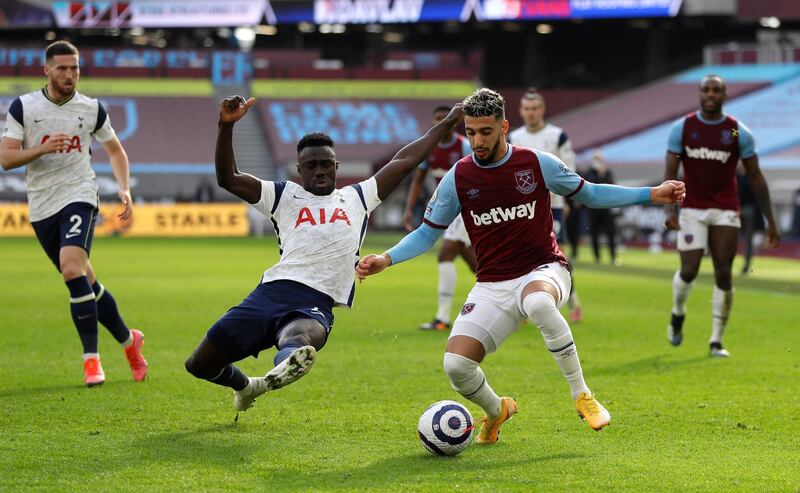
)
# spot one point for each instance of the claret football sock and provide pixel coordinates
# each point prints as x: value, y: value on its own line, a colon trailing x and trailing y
x: 108, y: 314
x: 84, y: 312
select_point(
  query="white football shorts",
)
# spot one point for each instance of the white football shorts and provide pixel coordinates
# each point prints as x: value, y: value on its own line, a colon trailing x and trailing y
x: 693, y: 234
x: 457, y: 231
x: 493, y: 310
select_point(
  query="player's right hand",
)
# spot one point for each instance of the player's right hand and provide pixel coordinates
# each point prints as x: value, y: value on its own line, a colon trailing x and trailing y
x: 372, y: 264
x: 56, y: 143
x: 232, y: 109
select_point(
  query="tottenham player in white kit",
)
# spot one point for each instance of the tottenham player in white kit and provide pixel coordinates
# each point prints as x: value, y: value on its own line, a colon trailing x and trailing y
x: 503, y: 194
x: 544, y: 136
x: 320, y: 229
x: 50, y: 131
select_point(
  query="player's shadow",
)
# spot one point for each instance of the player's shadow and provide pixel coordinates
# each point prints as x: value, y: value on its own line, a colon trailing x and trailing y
x: 659, y: 363
x: 216, y: 444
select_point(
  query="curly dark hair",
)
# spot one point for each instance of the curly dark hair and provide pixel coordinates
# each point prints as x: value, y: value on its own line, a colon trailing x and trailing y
x: 484, y: 102
x: 316, y: 139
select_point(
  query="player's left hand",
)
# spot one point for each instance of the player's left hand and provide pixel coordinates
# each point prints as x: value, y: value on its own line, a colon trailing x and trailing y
x: 127, y: 202
x: 372, y: 264
x: 232, y: 109
x: 773, y: 236
x: 669, y: 192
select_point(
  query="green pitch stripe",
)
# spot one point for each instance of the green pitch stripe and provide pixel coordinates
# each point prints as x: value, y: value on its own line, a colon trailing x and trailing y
x: 361, y: 89
x: 100, y: 86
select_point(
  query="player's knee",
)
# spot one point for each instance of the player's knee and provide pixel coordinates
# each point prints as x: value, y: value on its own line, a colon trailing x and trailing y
x: 193, y: 367
x: 303, y: 332
x: 539, y: 306
x: 70, y: 269
x: 688, y: 274
x: 458, y: 368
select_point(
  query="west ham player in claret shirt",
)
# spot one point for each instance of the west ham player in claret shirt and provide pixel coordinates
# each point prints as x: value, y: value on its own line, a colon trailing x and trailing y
x: 455, y: 240
x: 502, y: 192
x: 710, y: 144
x: 320, y: 229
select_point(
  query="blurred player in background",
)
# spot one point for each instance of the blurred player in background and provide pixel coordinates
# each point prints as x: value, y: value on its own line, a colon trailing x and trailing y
x: 709, y: 144
x: 320, y: 229
x: 503, y: 194
x: 544, y: 136
x: 50, y: 131
x: 455, y: 241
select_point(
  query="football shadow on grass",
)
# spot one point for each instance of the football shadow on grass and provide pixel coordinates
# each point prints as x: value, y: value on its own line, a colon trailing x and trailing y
x: 659, y: 363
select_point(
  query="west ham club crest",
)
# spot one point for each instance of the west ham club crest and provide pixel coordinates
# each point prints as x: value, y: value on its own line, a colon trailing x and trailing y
x: 525, y: 183
x: 467, y: 308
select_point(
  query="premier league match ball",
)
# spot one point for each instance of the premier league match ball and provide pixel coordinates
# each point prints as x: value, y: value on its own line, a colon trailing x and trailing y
x: 445, y: 428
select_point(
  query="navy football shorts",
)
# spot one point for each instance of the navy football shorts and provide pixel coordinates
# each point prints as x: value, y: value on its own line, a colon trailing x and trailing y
x: 253, y: 325
x: 73, y: 225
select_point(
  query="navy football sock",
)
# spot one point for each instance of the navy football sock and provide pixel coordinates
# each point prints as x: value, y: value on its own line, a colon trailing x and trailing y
x: 108, y: 314
x: 231, y: 376
x: 84, y: 312
x: 285, y: 352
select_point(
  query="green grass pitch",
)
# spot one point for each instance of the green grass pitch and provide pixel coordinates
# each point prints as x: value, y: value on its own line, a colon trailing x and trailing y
x: 681, y: 421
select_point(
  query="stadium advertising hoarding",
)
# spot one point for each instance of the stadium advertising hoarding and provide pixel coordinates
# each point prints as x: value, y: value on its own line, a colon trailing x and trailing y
x: 159, y: 220
x: 363, y: 130
x: 199, y: 13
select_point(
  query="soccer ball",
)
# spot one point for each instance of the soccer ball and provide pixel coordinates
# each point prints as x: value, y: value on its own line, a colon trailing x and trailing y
x: 445, y: 428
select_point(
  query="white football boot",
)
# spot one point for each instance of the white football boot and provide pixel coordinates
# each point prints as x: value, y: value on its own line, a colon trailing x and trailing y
x: 289, y: 370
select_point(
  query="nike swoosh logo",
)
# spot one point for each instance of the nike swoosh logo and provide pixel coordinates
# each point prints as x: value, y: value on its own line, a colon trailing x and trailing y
x: 37, y: 121
x: 84, y: 317
x: 71, y: 235
x: 300, y: 198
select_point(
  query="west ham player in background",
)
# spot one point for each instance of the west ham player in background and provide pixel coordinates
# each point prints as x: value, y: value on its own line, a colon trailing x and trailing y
x: 544, y: 136
x: 503, y: 194
x: 320, y: 229
x: 455, y: 241
x: 710, y: 143
x: 50, y: 131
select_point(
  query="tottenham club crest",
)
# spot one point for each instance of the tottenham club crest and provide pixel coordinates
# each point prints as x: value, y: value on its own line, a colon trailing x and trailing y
x: 525, y: 183
x: 468, y: 307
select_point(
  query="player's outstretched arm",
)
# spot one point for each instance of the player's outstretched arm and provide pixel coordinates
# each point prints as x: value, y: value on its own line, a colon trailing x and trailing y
x: 246, y: 187
x: 414, y: 153
x: 121, y: 169
x: 761, y: 192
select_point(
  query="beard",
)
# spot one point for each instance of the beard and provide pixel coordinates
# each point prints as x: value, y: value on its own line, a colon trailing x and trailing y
x: 492, y: 155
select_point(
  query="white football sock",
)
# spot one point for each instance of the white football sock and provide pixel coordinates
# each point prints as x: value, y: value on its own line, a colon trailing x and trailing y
x: 468, y: 379
x: 721, y: 303
x: 541, y: 309
x: 447, y: 286
x: 680, y: 292
x: 90, y: 355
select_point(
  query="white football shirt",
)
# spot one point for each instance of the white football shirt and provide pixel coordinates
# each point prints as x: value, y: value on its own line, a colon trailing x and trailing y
x: 58, y: 179
x: 549, y: 138
x: 319, y: 236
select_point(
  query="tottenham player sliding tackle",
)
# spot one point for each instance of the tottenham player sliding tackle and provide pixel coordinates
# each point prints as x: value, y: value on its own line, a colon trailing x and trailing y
x: 502, y: 192
x: 320, y: 229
